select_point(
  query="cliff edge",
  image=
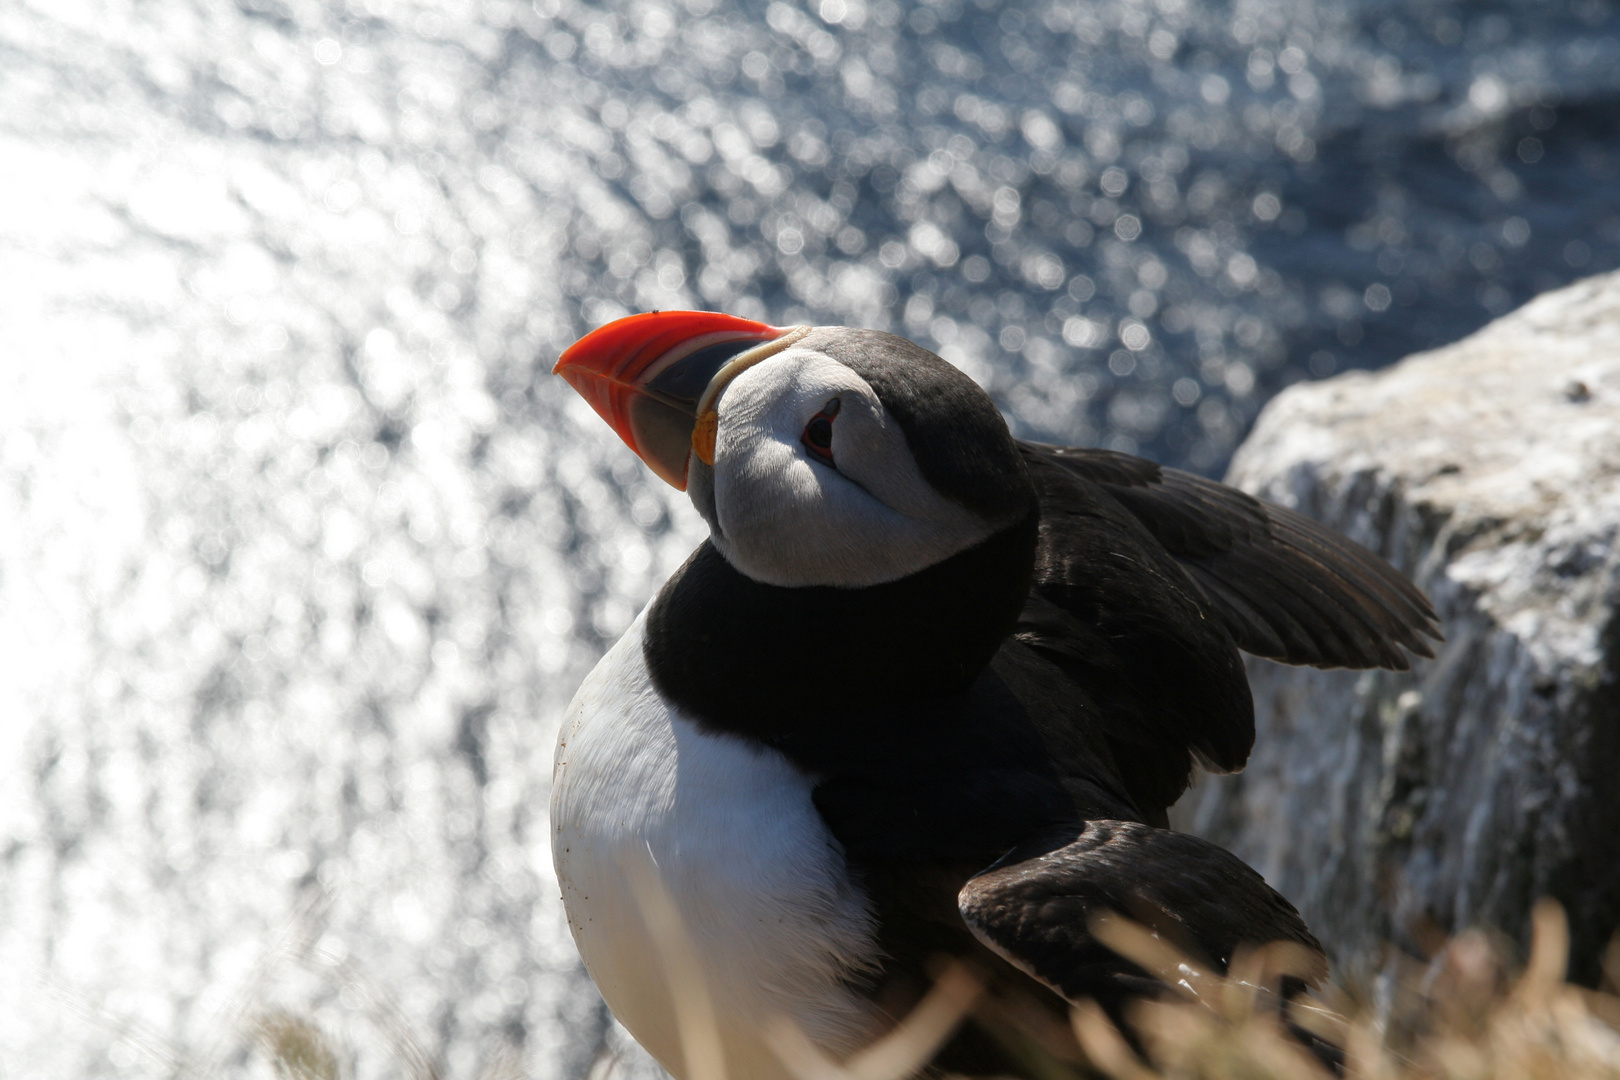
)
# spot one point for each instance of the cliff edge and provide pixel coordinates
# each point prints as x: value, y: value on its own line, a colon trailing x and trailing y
x: 1401, y: 806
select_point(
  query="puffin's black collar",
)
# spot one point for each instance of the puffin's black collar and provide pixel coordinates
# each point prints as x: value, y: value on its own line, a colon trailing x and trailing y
x: 767, y: 661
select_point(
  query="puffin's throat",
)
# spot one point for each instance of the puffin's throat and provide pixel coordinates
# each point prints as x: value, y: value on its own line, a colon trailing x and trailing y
x: 768, y: 661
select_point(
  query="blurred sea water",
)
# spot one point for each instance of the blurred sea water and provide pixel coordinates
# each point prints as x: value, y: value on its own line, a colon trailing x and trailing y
x: 301, y: 552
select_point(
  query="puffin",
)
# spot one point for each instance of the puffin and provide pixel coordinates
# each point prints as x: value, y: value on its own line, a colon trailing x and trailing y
x: 924, y: 696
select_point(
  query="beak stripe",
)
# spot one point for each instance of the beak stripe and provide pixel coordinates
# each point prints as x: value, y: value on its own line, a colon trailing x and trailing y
x: 708, y: 412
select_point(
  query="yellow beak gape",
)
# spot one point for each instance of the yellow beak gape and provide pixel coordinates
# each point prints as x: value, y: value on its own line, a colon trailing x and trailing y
x: 708, y: 413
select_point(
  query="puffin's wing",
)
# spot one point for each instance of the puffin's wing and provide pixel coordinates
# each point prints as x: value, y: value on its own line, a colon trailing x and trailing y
x: 1131, y: 628
x: 1034, y: 906
x: 1285, y: 587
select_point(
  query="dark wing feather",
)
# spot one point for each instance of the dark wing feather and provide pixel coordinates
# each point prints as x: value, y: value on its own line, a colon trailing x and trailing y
x: 1284, y: 587
x: 1034, y: 907
x: 1130, y: 627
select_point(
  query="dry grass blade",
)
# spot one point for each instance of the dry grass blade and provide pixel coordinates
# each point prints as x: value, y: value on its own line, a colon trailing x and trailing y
x: 1154, y: 955
x: 1469, y: 1020
x: 1542, y: 1028
x: 1549, y: 955
x: 1461, y: 1017
x: 1184, y: 1040
x: 904, y: 1051
x: 296, y: 1047
x: 1365, y: 1055
x: 294, y: 941
x: 382, y: 1010
x: 1226, y: 1026
x: 1105, y: 1046
x: 1472, y: 1021
x: 694, y: 1011
x: 1268, y: 964
x: 901, y: 1053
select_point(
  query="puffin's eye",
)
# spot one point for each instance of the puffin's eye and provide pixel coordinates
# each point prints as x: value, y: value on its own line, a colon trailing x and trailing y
x: 818, y: 433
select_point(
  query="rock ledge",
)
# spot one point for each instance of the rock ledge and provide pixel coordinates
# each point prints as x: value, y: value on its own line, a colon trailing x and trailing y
x: 1400, y: 806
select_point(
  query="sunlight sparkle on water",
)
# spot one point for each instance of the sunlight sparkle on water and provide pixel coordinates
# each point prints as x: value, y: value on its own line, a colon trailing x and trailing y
x: 305, y: 551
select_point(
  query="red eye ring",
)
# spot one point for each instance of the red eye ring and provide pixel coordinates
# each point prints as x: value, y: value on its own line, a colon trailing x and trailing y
x: 818, y: 433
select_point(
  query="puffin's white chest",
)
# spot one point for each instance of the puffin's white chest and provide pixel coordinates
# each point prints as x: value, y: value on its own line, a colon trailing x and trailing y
x: 758, y: 880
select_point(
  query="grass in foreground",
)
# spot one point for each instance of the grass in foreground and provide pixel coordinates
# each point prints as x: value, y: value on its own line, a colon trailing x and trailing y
x: 1464, y: 1016
x: 1468, y: 1014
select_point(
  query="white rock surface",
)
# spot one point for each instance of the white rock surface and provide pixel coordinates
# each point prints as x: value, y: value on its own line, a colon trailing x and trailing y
x: 1395, y: 806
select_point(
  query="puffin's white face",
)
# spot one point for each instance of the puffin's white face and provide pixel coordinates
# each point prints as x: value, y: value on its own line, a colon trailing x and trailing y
x: 813, y: 482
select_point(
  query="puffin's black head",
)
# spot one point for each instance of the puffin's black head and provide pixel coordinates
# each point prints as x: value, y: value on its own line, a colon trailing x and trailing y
x: 819, y: 456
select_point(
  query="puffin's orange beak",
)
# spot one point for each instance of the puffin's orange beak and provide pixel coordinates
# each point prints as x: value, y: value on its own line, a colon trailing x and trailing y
x: 647, y: 375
